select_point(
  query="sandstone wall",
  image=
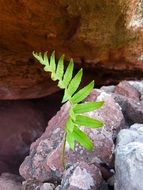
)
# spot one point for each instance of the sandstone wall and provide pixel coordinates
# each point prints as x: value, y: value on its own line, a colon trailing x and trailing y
x: 98, y: 34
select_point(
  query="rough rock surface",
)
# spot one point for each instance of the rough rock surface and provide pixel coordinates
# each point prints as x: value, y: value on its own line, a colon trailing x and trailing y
x: 81, y: 176
x: 105, y: 35
x: 37, y: 185
x: 108, y: 89
x: 44, y: 161
x: 139, y: 86
x: 126, y: 89
x: 47, y: 186
x: 132, y: 110
x: 10, y: 182
x: 129, y: 159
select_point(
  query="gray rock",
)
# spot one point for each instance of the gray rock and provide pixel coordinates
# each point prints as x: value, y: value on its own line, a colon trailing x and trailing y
x: 10, y: 182
x: 104, y: 186
x: 129, y: 159
x: 124, y: 88
x: 138, y: 85
x: 111, y: 180
x: 47, y: 186
x: 81, y: 176
x: 132, y: 109
x: 108, y: 89
x: 58, y: 187
x: 37, y: 185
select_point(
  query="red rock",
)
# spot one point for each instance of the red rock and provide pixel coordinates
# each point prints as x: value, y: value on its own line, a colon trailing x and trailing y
x: 81, y: 176
x: 85, y: 30
x: 125, y: 89
x: 44, y: 162
x: 132, y: 109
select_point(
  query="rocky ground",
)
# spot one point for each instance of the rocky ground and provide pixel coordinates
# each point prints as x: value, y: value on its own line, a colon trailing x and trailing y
x: 116, y: 162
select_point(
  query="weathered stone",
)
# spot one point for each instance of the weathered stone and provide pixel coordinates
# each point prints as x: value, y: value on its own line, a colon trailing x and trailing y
x: 47, y: 186
x: 108, y: 89
x: 132, y: 109
x: 138, y: 85
x: 10, y: 182
x: 129, y: 159
x: 104, y: 186
x: 110, y: 114
x: 37, y: 185
x: 44, y: 161
x: 104, y: 35
x: 125, y: 89
x: 81, y: 176
x: 31, y: 185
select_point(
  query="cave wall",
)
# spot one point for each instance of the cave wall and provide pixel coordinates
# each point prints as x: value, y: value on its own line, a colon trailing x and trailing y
x: 105, y: 35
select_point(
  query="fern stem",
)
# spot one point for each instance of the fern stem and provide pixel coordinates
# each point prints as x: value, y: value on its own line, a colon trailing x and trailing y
x: 63, y: 151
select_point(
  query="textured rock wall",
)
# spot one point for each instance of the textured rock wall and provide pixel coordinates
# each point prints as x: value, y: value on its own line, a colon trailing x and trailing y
x: 97, y: 34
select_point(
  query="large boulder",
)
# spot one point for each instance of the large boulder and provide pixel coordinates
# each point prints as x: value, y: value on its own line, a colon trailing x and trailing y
x: 132, y: 109
x: 129, y: 159
x: 105, y: 35
x: 129, y: 96
x: 44, y: 161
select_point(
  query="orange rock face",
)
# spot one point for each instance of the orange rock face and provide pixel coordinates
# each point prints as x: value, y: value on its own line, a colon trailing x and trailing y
x: 98, y: 34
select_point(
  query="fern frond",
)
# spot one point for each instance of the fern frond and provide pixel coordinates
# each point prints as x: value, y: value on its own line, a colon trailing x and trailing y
x: 71, y: 84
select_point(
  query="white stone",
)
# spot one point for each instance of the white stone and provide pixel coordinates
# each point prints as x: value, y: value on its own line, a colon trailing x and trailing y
x: 129, y: 159
x: 81, y: 179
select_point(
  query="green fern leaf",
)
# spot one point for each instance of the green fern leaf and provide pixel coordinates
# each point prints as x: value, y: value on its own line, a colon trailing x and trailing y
x: 53, y: 66
x: 52, y: 62
x: 75, y: 82
x: 72, y: 114
x: 88, y: 122
x: 73, y: 85
x: 82, y: 138
x: 38, y: 57
x: 60, y: 68
x: 70, y: 140
x: 68, y: 74
x: 83, y: 93
x: 87, y: 107
x: 69, y: 125
x: 46, y: 62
